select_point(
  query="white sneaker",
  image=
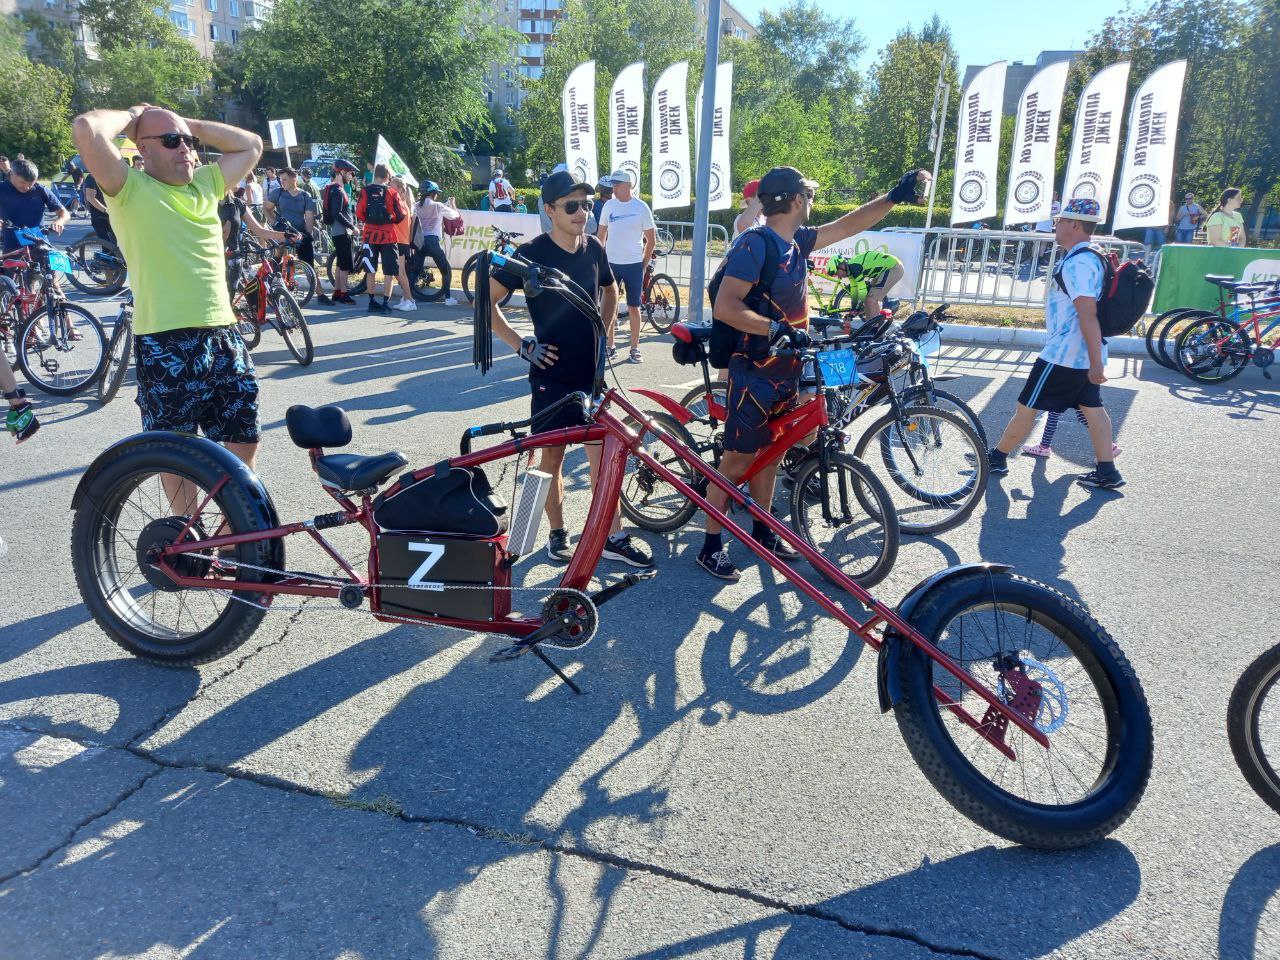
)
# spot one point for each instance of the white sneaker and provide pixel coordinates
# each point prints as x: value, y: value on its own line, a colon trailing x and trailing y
x: 449, y: 302
x: 405, y: 305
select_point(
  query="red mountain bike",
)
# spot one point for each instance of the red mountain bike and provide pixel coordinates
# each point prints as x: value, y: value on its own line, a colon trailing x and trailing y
x: 262, y: 297
x: 1016, y: 704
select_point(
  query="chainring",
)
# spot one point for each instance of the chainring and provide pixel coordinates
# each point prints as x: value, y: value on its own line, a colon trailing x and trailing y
x: 580, y: 616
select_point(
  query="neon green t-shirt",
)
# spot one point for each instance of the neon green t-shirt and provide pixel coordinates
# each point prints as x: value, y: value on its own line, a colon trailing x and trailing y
x: 1231, y: 224
x: 863, y: 271
x: 171, y: 239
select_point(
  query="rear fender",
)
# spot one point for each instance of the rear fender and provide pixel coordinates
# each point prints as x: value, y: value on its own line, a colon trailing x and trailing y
x: 889, y: 663
x: 239, y: 472
x: 666, y: 403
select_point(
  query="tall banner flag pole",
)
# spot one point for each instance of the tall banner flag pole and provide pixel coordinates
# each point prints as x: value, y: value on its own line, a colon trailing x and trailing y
x: 578, y: 103
x: 978, y: 146
x: 719, y: 195
x: 669, y: 130
x: 1029, y: 198
x: 1095, y: 137
x: 1146, y: 182
x: 626, y: 121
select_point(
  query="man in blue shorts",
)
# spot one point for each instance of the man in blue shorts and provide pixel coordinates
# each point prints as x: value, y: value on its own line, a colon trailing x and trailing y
x: 1071, y: 367
x: 762, y: 386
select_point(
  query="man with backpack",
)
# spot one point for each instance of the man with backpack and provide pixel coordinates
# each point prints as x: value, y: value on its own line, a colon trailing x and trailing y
x: 335, y: 213
x: 380, y: 209
x: 502, y: 194
x: 1071, y: 367
x: 759, y: 300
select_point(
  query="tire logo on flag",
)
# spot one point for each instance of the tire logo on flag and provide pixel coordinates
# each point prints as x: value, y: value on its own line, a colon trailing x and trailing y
x: 714, y: 187
x: 1085, y: 190
x: 971, y: 191
x: 580, y: 171
x: 1142, y: 196
x: 669, y: 181
x: 1027, y: 192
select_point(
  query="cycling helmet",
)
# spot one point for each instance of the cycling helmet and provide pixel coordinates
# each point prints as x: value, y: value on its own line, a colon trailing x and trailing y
x: 430, y: 186
x: 346, y: 165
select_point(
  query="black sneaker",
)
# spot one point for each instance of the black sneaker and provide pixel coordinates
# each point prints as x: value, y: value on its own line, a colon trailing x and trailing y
x: 324, y: 298
x: 777, y: 546
x: 997, y: 462
x: 1102, y: 481
x: 719, y: 565
x: 627, y: 550
x: 344, y: 298
x: 558, y: 546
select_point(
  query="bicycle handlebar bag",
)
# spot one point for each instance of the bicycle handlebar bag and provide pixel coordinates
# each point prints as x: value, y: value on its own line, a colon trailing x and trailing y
x: 456, y: 500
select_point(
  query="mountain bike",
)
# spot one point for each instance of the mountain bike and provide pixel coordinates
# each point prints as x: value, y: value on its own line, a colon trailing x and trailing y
x: 97, y: 267
x: 1253, y: 726
x: 59, y: 348
x: 503, y: 243
x: 1237, y: 300
x: 262, y: 298
x: 659, y: 299
x: 1213, y: 349
x: 119, y: 351
x: 299, y: 277
x: 1013, y: 700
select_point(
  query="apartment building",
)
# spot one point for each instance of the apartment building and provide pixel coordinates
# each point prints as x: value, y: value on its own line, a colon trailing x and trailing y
x: 209, y: 22
x: 60, y: 11
x: 733, y: 23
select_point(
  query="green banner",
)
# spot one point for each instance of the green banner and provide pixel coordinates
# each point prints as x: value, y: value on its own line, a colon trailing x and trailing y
x: 1183, y: 268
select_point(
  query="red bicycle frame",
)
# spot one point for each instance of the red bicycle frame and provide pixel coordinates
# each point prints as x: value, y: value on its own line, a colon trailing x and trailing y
x: 620, y: 443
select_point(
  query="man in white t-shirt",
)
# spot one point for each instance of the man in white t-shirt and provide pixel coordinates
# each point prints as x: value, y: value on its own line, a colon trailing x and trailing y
x: 1071, y: 367
x: 502, y: 195
x: 628, y: 235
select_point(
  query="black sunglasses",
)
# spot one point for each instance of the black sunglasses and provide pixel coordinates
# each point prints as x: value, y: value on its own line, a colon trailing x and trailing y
x: 170, y: 141
x: 573, y: 206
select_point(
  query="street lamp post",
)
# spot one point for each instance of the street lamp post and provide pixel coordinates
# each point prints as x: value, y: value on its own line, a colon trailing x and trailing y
x: 702, y: 179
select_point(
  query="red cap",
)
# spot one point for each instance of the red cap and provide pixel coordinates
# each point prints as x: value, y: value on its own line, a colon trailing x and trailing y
x: 749, y: 189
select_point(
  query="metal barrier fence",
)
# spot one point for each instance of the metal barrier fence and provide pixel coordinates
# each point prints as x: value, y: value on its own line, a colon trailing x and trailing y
x: 996, y: 267
x: 678, y: 262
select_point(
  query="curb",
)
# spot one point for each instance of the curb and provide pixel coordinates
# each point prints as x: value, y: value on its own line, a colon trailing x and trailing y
x: 1016, y: 338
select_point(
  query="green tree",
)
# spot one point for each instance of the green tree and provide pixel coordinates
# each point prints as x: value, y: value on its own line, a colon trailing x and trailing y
x: 348, y: 70
x: 34, y: 111
x: 141, y: 58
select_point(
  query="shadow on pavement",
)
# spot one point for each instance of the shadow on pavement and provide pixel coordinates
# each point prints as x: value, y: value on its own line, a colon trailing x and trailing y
x: 1253, y: 886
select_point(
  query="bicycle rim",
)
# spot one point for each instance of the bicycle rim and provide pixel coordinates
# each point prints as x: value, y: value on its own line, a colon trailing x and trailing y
x: 862, y: 543
x: 51, y: 357
x: 648, y: 500
x: 1166, y: 345
x: 663, y: 307
x: 695, y: 401
x: 293, y: 327
x: 1211, y: 351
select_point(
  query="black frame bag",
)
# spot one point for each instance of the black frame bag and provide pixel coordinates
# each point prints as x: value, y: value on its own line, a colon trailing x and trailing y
x: 457, y: 500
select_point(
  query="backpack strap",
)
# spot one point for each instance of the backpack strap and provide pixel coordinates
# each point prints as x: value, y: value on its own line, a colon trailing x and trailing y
x: 1091, y: 248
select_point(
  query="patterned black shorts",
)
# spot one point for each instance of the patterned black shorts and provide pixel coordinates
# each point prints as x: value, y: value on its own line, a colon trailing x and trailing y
x: 198, y: 379
x: 755, y: 397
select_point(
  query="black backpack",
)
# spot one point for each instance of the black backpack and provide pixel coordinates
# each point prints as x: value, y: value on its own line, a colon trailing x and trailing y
x: 1126, y: 291
x: 724, y: 338
x: 376, y: 210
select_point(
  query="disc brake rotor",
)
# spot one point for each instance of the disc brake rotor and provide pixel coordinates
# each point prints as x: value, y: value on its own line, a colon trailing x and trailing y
x: 1050, y: 713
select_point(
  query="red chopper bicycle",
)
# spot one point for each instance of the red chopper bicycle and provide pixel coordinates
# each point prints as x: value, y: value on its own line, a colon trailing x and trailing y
x: 1016, y: 704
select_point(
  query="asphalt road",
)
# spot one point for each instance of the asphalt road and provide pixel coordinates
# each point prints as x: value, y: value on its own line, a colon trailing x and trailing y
x: 726, y: 787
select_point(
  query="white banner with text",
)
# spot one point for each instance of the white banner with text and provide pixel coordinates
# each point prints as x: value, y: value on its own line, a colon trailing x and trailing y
x: 578, y: 104
x: 907, y: 247
x: 669, y: 123
x: 477, y: 233
x: 1095, y: 138
x: 1035, y: 144
x: 626, y: 121
x: 978, y: 146
x: 1146, y: 187
x: 720, y: 191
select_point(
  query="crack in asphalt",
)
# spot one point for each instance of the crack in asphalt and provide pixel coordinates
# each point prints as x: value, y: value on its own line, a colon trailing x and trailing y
x: 204, y: 688
x: 488, y: 832
x: 71, y: 835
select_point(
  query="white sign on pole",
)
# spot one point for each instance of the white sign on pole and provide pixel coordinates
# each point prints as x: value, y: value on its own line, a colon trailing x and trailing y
x: 978, y: 146
x: 719, y: 196
x: 670, y: 134
x: 1035, y: 145
x: 282, y: 134
x: 578, y: 105
x: 385, y: 154
x: 1095, y: 138
x: 1146, y: 182
x: 626, y: 121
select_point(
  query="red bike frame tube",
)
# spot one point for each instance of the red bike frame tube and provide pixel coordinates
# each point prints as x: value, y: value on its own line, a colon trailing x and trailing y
x: 672, y: 407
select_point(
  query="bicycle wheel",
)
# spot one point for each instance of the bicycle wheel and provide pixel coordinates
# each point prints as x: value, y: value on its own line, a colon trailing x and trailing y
x: 862, y: 543
x: 1049, y: 659
x: 647, y: 500
x: 355, y: 278
x: 119, y: 351
x: 843, y: 303
x: 1253, y: 726
x: 139, y: 500
x: 1166, y: 345
x: 468, y: 279
x: 921, y: 396
x: 288, y: 320
x: 1213, y: 350
x: 250, y: 331
x: 664, y: 242
x: 931, y: 462
x: 301, y: 281
x: 65, y: 356
x: 695, y: 401
x: 1154, y: 330
x: 662, y: 306
x: 97, y: 267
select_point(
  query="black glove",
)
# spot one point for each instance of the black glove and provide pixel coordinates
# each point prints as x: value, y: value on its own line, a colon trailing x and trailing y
x: 905, y: 189
x: 534, y: 352
x: 799, y: 339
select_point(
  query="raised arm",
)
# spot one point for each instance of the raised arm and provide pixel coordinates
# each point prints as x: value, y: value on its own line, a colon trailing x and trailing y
x: 240, y: 148
x: 869, y: 214
x: 94, y: 134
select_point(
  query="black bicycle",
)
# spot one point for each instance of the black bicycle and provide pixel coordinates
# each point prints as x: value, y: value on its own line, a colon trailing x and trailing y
x: 503, y: 243
x: 119, y: 352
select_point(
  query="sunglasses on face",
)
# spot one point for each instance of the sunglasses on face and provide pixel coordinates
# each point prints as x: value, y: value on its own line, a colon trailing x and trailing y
x: 170, y: 141
x: 573, y: 206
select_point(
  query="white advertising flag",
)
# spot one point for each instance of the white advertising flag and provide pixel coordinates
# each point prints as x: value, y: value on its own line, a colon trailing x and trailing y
x: 719, y: 196
x: 1145, y: 183
x: 626, y: 121
x: 669, y: 130
x: 578, y: 103
x: 1095, y: 138
x: 1035, y: 145
x: 384, y: 154
x: 978, y: 146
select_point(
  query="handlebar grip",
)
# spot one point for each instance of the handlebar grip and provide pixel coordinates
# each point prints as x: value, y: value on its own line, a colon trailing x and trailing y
x: 503, y: 262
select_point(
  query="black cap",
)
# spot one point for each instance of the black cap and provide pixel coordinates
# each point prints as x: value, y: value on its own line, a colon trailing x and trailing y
x: 561, y: 184
x: 784, y: 182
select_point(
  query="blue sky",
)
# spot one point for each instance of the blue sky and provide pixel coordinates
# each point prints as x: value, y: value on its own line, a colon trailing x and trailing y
x: 983, y: 30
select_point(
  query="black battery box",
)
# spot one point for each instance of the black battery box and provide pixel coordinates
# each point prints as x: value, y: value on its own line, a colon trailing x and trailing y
x: 444, y: 576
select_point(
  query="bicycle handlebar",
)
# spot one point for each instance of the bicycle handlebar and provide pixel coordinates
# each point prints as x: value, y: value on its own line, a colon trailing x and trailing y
x: 489, y: 429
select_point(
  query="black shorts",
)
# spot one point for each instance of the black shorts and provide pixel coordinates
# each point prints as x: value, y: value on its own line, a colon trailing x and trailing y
x: 754, y: 398
x: 547, y: 392
x: 342, y: 252
x: 199, y: 379
x: 388, y: 254
x: 102, y: 226
x: 1054, y: 388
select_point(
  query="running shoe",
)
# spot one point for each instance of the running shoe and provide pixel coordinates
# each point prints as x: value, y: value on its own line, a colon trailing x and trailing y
x: 635, y: 355
x: 405, y: 305
x: 627, y: 550
x: 997, y: 462
x: 719, y: 565
x: 558, y: 546
x: 344, y: 298
x: 612, y: 354
x: 1101, y: 481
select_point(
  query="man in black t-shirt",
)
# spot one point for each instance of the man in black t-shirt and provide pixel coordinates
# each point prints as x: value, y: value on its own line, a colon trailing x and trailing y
x: 565, y: 354
x: 98, y: 216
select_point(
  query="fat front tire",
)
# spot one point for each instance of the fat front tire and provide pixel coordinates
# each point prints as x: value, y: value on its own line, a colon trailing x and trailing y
x: 1061, y: 810
x: 1245, y: 726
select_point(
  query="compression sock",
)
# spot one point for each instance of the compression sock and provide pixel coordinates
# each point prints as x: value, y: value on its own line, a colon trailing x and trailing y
x: 1084, y: 421
x: 711, y: 544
